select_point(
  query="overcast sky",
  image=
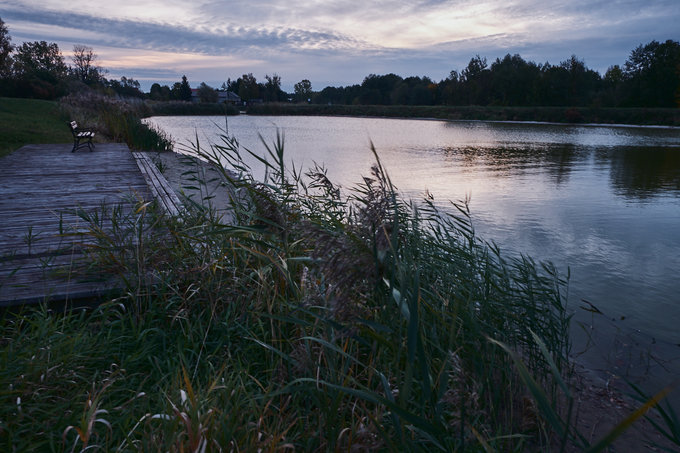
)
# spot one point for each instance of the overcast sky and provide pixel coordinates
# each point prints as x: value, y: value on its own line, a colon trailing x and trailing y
x: 336, y: 42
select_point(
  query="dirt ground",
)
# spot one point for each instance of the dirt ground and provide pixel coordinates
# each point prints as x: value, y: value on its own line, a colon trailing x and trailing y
x: 600, y: 406
x: 195, y: 180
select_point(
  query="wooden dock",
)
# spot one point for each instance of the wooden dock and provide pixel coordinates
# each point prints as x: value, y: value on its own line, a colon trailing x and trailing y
x: 43, y: 188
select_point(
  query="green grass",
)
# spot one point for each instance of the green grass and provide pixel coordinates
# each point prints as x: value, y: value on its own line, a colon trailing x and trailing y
x: 25, y: 121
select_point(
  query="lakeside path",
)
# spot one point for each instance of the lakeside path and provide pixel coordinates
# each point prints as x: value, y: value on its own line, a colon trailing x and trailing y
x: 41, y: 187
x: 196, y: 180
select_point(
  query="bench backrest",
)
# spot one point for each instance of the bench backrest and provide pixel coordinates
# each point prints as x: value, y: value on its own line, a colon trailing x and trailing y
x: 74, y: 126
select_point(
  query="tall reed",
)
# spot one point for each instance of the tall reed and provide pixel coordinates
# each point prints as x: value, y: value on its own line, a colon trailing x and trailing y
x: 380, y: 310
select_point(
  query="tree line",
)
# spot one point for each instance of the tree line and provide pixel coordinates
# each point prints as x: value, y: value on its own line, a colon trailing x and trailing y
x: 650, y: 77
x: 246, y: 87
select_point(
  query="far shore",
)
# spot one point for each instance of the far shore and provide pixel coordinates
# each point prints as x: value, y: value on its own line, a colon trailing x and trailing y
x: 617, y: 117
x: 587, y: 116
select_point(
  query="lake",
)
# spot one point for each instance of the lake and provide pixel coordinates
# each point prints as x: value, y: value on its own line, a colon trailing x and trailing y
x: 600, y: 201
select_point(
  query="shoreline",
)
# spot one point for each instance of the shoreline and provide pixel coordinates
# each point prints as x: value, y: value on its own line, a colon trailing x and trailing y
x: 597, y: 116
x: 600, y: 116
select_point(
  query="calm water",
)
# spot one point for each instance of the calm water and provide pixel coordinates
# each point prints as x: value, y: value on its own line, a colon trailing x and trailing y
x: 601, y: 201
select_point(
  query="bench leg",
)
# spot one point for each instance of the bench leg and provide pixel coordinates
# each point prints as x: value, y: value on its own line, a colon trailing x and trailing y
x: 77, y: 145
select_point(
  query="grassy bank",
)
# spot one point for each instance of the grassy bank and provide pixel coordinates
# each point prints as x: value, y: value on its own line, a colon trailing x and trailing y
x: 318, y: 321
x: 24, y: 121
x: 638, y: 116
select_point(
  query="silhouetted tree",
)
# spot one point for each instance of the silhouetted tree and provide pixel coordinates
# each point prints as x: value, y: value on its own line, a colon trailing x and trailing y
x: 207, y: 93
x: 272, y: 89
x: 612, y: 92
x: 39, y: 70
x: 6, y: 49
x: 582, y: 82
x: 126, y: 87
x: 159, y: 93
x: 184, y: 91
x: 653, y: 74
x: 303, y: 90
x: 331, y: 95
x: 376, y: 90
x: 248, y: 89
x: 476, y: 80
x: 450, y: 89
x: 84, y: 66
x: 41, y: 60
x: 553, y: 87
x: 514, y: 81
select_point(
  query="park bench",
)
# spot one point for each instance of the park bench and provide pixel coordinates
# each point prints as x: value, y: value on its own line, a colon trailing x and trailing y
x: 81, y: 137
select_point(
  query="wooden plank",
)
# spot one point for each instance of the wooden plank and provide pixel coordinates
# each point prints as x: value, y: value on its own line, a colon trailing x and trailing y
x: 158, y: 184
x: 43, y: 185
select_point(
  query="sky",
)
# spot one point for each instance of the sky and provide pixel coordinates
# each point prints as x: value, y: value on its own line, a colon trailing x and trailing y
x: 335, y: 42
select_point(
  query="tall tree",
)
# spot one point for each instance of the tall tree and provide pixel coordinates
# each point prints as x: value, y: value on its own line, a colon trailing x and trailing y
x: 159, y: 93
x: 127, y: 87
x: 272, y: 89
x: 451, y: 89
x: 653, y: 73
x: 207, y: 93
x: 84, y: 64
x: 475, y: 77
x: 303, y: 91
x: 583, y: 82
x: 513, y: 81
x: 377, y: 89
x: 248, y: 88
x: 184, y: 90
x: 40, y: 60
x: 6, y: 49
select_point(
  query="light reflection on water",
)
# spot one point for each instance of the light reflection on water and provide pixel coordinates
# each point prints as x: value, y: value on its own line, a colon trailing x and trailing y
x: 603, y: 201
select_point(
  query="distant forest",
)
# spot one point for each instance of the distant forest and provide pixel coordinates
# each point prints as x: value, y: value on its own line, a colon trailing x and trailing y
x: 650, y: 77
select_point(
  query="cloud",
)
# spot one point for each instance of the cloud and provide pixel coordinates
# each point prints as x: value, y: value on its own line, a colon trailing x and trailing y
x: 206, y: 37
x: 343, y: 40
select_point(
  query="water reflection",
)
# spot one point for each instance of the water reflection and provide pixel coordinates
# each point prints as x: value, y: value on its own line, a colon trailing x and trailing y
x: 634, y: 172
x: 643, y: 172
x: 557, y: 161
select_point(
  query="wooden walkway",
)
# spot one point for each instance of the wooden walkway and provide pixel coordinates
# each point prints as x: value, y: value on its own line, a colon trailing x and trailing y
x: 41, y: 189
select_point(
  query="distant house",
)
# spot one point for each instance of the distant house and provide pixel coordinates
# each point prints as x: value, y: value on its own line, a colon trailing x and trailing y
x: 227, y: 97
